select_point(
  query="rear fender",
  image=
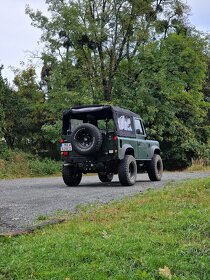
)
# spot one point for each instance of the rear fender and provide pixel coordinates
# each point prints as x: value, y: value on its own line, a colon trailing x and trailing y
x: 127, y: 149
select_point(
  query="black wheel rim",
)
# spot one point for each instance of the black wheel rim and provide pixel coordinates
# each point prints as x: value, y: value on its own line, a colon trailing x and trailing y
x: 76, y: 175
x: 83, y: 138
x: 159, y: 167
x: 131, y: 170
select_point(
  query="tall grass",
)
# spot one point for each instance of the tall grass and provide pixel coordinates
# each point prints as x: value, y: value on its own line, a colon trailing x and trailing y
x: 200, y: 164
x: 17, y: 164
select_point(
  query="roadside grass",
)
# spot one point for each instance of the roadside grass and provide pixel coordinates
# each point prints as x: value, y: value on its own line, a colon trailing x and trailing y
x: 201, y: 164
x: 17, y: 164
x: 198, y: 167
x: 162, y: 234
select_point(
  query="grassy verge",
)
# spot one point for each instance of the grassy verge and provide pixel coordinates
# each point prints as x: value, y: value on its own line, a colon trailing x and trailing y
x: 199, y: 165
x: 18, y: 164
x: 159, y: 235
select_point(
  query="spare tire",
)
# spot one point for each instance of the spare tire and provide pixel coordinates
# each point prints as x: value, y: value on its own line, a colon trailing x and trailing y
x: 86, y: 139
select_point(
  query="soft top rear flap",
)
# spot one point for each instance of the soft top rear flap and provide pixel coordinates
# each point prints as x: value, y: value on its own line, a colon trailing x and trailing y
x: 79, y: 112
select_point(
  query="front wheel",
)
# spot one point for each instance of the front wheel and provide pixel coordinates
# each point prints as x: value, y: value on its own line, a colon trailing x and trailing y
x: 127, y: 171
x: 71, y: 176
x: 105, y: 177
x: 155, y: 168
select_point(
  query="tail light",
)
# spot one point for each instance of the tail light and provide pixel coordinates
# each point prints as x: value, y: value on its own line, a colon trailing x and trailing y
x: 61, y: 140
x: 115, y: 138
x: 65, y: 154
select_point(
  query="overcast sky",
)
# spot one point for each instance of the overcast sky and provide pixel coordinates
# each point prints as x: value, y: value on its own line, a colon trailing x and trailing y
x: 18, y: 37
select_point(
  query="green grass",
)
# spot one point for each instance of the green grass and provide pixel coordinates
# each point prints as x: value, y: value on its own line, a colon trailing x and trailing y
x: 131, y: 239
x: 17, y: 164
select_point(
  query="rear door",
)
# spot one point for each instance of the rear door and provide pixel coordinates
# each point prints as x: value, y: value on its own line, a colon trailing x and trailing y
x: 142, y: 145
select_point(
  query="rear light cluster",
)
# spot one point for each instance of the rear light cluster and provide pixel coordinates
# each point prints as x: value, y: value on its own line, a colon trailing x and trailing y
x: 115, y: 138
x: 65, y: 154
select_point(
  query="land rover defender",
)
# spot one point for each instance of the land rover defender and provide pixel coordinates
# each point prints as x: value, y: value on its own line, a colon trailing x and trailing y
x: 107, y: 140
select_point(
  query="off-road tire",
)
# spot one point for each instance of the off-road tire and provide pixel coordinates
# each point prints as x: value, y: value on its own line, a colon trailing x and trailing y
x: 105, y: 177
x: 127, y: 171
x: 71, y: 176
x: 155, y: 168
x: 86, y: 139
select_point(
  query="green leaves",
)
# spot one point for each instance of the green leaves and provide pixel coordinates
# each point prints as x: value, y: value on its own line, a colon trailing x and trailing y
x: 100, y: 35
x: 165, y: 88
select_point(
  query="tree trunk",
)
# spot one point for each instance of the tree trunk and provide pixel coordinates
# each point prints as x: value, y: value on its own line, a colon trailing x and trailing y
x: 9, y: 141
x: 107, y: 89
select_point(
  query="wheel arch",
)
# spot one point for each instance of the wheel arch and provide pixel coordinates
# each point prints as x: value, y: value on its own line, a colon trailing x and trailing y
x: 127, y: 149
x: 155, y: 150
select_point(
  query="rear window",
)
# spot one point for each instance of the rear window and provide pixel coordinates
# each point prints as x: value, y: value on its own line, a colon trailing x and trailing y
x: 75, y: 123
x: 124, y: 123
x: 109, y: 124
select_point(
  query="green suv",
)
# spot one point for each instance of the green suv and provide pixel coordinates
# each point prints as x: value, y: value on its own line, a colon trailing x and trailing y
x: 107, y: 140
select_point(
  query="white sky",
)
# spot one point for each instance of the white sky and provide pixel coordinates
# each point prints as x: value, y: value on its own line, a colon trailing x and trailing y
x: 17, y: 36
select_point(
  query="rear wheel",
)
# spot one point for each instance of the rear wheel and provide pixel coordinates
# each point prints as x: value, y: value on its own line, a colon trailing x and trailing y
x: 105, y: 177
x: 155, y: 168
x: 71, y: 176
x: 127, y: 171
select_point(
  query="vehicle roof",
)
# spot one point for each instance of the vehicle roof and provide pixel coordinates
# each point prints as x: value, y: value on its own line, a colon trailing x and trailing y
x: 100, y: 110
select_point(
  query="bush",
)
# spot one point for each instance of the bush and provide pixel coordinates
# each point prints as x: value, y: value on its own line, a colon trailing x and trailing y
x: 43, y: 167
x: 17, y: 164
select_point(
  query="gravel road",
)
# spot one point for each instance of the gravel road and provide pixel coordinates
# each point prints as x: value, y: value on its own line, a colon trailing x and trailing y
x: 22, y: 201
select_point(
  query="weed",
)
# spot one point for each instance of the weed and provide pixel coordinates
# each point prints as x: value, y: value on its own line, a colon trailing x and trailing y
x: 42, y: 218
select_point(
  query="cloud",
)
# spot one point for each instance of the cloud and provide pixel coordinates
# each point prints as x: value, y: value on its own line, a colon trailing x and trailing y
x: 200, y: 14
x: 17, y: 34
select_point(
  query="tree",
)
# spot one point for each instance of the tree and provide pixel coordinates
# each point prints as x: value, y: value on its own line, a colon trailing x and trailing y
x: 206, y: 90
x: 11, y: 113
x: 2, y: 92
x: 95, y: 36
x: 34, y: 116
x: 168, y: 77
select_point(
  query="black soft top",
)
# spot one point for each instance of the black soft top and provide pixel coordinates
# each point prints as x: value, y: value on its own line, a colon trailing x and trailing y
x: 122, y: 117
x: 100, y: 111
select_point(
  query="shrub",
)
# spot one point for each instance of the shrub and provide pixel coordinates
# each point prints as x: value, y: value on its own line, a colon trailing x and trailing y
x: 16, y: 164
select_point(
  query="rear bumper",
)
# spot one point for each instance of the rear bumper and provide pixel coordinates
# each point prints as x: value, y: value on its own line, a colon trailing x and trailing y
x: 107, y: 163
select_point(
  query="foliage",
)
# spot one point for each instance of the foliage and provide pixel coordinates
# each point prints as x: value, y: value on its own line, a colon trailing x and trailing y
x: 52, y: 132
x: 34, y: 115
x: 23, y: 113
x: 91, y: 38
x: 17, y: 164
x: 2, y: 90
x: 151, y: 236
x: 166, y: 84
